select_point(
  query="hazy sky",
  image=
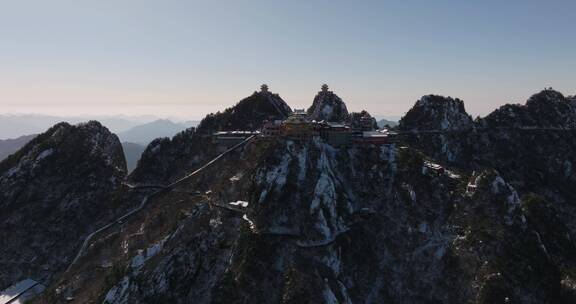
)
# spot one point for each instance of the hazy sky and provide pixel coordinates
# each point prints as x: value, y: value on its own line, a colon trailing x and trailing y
x: 188, y: 58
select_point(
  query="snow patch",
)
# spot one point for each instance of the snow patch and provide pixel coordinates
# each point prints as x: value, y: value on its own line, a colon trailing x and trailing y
x: 156, y: 148
x: 144, y: 255
x: 118, y: 293
x: 243, y: 204
x: 324, y: 192
x: 215, y: 222
x: 472, y: 185
x: 44, y: 154
x: 274, y: 178
x: 250, y: 222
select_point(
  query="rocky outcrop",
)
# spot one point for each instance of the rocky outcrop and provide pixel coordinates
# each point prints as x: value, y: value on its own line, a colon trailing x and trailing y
x: 55, y: 190
x: 437, y: 113
x: 547, y: 109
x: 167, y: 159
x: 327, y: 106
x: 362, y: 121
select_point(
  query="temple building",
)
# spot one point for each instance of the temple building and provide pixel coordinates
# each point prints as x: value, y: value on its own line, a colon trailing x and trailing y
x: 264, y: 88
x: 272, y: 128
x: 336, y: 134
x: 296, y: 126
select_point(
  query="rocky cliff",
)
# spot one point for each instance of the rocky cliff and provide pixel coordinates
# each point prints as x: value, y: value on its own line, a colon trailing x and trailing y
x: 433, y: 112
x: 289, y: 222
x: 53, y: 192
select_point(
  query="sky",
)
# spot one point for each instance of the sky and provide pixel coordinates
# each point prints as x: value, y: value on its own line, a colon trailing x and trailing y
x: 189, y: 58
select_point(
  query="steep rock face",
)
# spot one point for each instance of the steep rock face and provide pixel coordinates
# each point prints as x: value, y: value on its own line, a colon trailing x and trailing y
x: 54, y: 191
x: 289, y: 222
x: 166, y: 159
x: 248, y: 114
x: 535, y: 156
x: 433, y: 112
x: 328, y: 106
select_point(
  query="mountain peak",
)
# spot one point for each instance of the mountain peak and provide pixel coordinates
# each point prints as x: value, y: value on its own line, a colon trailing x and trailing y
x: 327, y: 106
x: 545, y: 109
x: 435, y: 112
x: 545, y: 96
x: 248, y: 114
x: 57, y: 185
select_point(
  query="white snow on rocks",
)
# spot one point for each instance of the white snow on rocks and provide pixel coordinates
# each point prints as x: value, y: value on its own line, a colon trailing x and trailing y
x: 250, y: 222
x: 325, y: 192
x: 42, y: 155
x: 144, y: 255
x: 120, y: 292
x: 274, y: 178
x: 242, y: 204
x: 302, y: 156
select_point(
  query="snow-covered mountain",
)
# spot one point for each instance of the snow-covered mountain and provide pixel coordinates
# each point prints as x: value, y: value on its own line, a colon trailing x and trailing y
x: 452, y: 211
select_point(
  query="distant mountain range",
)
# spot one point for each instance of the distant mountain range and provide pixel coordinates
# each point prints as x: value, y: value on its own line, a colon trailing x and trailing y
x: 144, y: 134
x: 383, y: 122
x: 9, y: 146
x: 16, y: 125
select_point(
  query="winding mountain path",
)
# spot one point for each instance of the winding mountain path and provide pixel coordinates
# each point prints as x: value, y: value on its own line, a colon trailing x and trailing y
x: 147, y: 198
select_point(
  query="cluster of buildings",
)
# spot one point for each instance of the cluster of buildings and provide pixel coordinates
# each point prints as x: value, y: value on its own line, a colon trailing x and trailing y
x: 299, y: 127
